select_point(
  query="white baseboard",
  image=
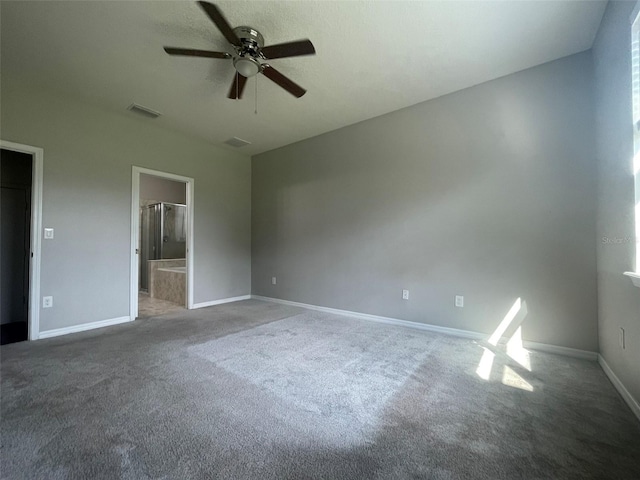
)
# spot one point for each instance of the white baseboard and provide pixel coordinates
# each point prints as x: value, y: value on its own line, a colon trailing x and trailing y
x: 543, y: 347
x: 221, y: 301
x: 83, y: 327
x: 558, y: 350
x: 376, y: 318
x: 115, y: 321
x: 622, y: 390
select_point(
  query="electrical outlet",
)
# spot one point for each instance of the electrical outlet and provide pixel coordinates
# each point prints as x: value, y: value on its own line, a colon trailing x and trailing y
x: 459, y: 301
x: 273, y: 280
x: 621, y: 338
x: 47, y: 302
x: 405, y: 294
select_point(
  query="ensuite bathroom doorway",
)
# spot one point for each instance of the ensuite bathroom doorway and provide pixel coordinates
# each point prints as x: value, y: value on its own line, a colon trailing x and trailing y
x: 162, y: 244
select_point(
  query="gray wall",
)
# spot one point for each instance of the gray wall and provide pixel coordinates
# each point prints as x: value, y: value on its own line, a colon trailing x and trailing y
x: 488, y: 192
x: 618, y: 299
x: 161, y: 189
x: 88, y: 155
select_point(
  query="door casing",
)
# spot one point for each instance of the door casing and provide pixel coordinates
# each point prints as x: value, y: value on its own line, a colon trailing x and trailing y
x: 37, y: 156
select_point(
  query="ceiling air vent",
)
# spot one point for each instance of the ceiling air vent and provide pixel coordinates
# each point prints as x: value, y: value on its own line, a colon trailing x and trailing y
x: 237, y: 142
x: 144, y: 111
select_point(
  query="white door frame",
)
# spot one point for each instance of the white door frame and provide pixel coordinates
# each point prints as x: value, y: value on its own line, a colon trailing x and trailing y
x: 37, y: 155
x: 135, y: 230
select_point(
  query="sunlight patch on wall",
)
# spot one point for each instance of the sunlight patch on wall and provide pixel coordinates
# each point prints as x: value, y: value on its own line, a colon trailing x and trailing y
x: 516, y: 350
x: 505, y: 323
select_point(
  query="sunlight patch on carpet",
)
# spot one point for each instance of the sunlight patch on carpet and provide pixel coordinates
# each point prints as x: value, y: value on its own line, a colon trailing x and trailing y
x: 341, y: 371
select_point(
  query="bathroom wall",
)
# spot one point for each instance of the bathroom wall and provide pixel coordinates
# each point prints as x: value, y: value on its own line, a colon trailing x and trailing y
x: 157, y: 189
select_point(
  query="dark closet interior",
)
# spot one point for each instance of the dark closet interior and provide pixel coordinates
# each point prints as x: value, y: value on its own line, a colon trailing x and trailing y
x: 15, y: 232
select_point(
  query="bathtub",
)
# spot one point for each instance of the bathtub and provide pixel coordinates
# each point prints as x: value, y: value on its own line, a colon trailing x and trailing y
x: 168, y: 283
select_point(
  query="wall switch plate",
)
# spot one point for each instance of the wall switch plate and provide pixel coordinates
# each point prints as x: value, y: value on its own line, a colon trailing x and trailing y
x: 459, y: 301
x: 47, y: 302
x: 273, y: 280
x: 621, y: 338
x: 405, y: 294
x: 48, y: 233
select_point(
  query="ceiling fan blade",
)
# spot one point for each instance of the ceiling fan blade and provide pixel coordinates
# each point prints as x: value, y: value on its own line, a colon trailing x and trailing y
x: 237, y: 86
x: 290, y: 49
x: 275, y: 76
x: 190, y: 52
x: 216, y: 17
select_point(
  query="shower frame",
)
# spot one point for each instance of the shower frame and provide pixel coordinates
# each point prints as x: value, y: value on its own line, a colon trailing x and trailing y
x: 155, y: 237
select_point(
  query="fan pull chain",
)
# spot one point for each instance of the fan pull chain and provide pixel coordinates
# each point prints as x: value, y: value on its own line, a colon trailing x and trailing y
x: 256, y: 110
x: 237, y: 85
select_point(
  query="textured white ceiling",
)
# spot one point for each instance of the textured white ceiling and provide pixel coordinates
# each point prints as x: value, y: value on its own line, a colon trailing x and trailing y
x: 373, y: 57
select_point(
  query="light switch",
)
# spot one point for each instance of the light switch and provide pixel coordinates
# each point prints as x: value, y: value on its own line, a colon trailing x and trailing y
x: 48, y: 233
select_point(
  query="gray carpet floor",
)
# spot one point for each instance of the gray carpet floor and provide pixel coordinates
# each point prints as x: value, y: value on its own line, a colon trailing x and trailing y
x: 254, y: 390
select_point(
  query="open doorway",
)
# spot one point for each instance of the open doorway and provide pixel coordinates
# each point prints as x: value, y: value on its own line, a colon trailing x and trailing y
x: 21, y: 205
x: 15, y: 176
x: 161, y: 237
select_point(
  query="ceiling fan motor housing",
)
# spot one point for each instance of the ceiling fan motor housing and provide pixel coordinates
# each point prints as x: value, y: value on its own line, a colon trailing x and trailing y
x: 247, y: 53
x: 251, y: 39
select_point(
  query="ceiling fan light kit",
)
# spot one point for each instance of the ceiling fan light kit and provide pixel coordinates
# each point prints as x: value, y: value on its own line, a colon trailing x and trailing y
x: 246, y: 66
x: 249, y: 51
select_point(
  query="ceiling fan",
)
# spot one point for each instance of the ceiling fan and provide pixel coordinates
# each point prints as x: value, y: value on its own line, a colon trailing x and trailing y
x: 249, y: 52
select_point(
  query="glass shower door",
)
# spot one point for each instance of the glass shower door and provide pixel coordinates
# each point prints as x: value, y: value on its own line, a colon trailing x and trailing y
x: 174, y: 230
